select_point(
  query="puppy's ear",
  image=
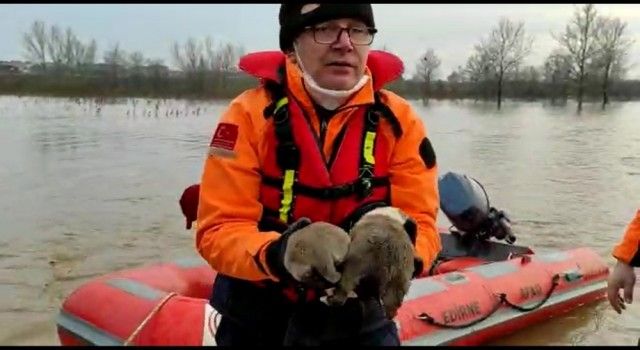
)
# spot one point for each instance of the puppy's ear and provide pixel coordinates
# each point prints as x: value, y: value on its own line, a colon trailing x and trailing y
x: 411, y: 228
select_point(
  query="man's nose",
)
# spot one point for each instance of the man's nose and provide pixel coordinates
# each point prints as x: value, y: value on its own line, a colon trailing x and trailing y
x: 344, y: 42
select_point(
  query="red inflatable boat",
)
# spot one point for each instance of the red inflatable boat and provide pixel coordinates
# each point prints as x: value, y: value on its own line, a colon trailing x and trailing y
x: 472, y: 295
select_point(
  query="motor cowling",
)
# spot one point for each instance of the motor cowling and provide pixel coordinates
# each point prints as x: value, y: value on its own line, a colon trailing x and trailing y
x: 466, y: 204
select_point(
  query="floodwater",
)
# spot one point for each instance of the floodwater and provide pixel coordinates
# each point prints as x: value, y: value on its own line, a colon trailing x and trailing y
x: 89, y: 187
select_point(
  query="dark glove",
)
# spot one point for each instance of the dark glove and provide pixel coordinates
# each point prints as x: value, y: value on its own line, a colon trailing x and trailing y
x: 418, y: 266
x: 309, y: 252
x: 411, y: 227
x: 276, y: 250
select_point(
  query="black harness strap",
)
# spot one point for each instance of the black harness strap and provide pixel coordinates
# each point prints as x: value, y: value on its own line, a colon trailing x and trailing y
x: 325, y: 193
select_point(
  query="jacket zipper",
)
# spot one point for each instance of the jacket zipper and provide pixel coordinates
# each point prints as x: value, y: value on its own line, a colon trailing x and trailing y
x: 323, y: 132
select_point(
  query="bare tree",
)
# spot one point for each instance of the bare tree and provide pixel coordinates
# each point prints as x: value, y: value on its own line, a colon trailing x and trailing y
x: 210, y: 53
x: 227, y: 57
x: 479, y: 71
x: 225, y: 61
x: 75, y: 54
x: 426, y: 68
x: 579, y: 41
x: 35, y: 43
x: 455, y: 77
x: 69, y: 48
x: 190, y: 60
x: 56, y: 46
x: 557, y: 74
x: 136, y: 60
x: 115, y: 56
x: 528, y: 80
x: 612, y: 48
x: 193, y: 54
x: 506, y: 48
x: 116, y: 59
x: 454, y: 81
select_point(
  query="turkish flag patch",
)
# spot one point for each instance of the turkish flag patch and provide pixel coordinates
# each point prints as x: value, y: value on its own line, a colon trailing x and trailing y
x: 225, y: 136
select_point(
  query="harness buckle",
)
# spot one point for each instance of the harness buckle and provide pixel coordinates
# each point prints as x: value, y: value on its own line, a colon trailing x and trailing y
x: 364, y: 187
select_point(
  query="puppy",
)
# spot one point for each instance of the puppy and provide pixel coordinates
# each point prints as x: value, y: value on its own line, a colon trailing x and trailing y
x: 313, y: 254
x: 381, y: 249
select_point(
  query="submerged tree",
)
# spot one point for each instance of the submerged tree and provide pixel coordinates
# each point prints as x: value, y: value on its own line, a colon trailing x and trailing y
x: 35, y: 44
x: 612, y: 47
x: 579, y: 41
x: 505, y: 50
x: 557, y: 75
x: 426, y: 68
x: 479, y: 71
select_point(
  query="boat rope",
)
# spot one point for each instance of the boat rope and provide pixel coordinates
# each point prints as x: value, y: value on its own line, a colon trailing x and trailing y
x: 425, y: 317
x: 149, y: 316
x: 502, y: 299
x: 554, y: 284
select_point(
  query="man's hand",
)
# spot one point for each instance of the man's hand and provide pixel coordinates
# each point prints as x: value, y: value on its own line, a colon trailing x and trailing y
x: 622, y: 277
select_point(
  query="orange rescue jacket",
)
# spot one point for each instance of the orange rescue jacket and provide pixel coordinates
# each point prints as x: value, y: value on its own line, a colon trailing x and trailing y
x: 628, y: 250
x: 231, y: 203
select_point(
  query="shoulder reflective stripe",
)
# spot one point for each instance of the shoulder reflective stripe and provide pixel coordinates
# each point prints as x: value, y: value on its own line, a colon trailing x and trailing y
x: 422, y: 287
x: 190, y: 262
x: 281, y: 102
x: 136, y: 288
x: 287, y: 194
x: 210, y: 325
x: 88, y: 332
x: 494, y: 269
x: 369, y: 141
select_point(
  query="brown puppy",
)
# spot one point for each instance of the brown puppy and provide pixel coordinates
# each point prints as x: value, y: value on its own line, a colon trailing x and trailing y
x: 313, y: 254
x: 380, y: 248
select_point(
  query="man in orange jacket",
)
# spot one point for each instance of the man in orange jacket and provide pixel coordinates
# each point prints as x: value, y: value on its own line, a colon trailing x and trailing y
x: 319, y: 141
x: 623, y: 277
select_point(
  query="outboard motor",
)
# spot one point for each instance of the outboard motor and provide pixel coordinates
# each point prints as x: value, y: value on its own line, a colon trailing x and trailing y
x: 466, y: 204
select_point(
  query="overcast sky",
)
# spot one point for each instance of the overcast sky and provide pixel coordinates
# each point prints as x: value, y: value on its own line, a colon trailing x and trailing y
x: 406, y: 29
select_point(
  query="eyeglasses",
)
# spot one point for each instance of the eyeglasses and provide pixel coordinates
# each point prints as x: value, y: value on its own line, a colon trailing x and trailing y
x: 330, y: 34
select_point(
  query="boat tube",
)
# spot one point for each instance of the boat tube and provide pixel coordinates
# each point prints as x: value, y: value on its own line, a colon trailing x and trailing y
x: 479, y: 289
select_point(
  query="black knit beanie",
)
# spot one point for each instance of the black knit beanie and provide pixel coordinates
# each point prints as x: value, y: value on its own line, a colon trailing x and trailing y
x: 292, y: 21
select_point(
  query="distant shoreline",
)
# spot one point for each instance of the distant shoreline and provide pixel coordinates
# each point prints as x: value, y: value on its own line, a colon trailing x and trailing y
x: 200, y: 99
x: 213, y: 87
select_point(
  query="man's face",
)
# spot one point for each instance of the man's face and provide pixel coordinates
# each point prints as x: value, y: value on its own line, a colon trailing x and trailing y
x: 333, y: 59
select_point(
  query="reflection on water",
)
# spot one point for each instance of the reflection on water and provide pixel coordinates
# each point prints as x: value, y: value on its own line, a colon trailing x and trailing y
x: 91, y: 186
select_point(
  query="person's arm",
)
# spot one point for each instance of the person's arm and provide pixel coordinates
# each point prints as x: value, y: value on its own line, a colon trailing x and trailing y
x: 414, y: 184
x: 628, y: 250
x: 623, y: 277
x: 227, y: 234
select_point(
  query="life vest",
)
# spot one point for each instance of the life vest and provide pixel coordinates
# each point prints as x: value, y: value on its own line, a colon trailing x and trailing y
x: 297, y: 180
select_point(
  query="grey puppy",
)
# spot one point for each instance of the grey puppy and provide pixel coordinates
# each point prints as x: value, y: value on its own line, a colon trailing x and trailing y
x: 382, y: 249
x: 314, y: 252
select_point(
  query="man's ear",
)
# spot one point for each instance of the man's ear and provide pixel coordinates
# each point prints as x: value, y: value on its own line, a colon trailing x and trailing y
x: 411, y: 228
